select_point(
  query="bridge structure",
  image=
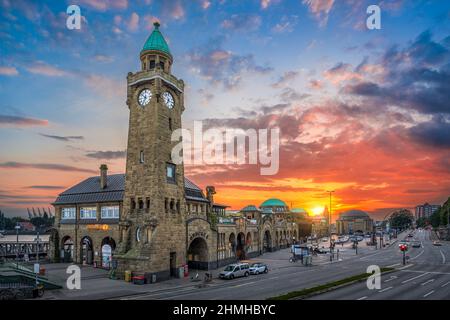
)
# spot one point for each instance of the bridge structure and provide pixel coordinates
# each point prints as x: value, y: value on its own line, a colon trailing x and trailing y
x: 23, y: 247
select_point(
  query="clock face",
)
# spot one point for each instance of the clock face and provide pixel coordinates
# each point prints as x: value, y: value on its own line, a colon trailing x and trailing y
x: 144, y: 97
x: 168, y: 100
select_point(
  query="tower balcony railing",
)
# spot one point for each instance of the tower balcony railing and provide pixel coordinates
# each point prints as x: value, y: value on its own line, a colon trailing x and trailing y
x: 141, y: 75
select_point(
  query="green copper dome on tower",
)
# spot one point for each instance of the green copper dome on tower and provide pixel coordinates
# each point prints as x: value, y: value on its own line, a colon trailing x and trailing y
x: 156, y: 41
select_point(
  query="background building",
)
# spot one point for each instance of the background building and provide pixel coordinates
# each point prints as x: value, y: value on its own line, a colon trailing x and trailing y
x: 354, y: 221
x: 426, y: 210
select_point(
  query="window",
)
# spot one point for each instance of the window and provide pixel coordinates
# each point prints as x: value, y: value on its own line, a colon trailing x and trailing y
x: 88, y: 213
x: 161, y: 65
x: 152, y: 64
x: 133, y: 204
x: 141, y: 203
x: 68, y: 213
x: 147, y: 203
x: 111, y: 212
x: 141, y: 157
x: 170, y: 173
x: 170, y: 124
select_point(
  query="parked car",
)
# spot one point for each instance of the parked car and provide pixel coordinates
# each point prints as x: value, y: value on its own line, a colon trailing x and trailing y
x: 235, y: 270
x: 258, y: 268
x: 436, y: 243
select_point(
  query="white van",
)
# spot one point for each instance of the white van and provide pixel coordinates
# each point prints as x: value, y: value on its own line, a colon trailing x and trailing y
x: 235, y: 270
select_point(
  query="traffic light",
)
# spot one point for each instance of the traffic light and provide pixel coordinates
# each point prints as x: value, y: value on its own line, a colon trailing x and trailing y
x: 403, y: 247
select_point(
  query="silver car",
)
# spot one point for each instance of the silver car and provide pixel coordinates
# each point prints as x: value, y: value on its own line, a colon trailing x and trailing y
x: 235, y: 270
x: 258, y: 268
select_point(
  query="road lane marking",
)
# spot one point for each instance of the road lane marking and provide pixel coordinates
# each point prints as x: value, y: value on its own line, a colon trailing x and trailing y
x: 392, y: 278
x: 421, y: 252
x: 393, y: 265
x: 150, y: 294
x: 385, y: 289
x: 445, y: 284
x: 244, y: 284
x: 427, y: 282
x: 411, y: 279
x: 426, y: 295
x: 371, y: 255
x: 422, y: 271
x: 407, y: 266
x: 362, y: 298
x: 443, y: 256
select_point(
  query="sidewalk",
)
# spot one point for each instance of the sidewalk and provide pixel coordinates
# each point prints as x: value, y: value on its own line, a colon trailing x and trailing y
x: 95, y: 283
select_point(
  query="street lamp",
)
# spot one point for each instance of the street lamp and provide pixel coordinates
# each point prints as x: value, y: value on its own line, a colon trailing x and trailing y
x: 329, y: 222
x: 17, y: 227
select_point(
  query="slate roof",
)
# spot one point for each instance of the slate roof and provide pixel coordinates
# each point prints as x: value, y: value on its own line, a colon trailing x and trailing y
x: 89, y: 191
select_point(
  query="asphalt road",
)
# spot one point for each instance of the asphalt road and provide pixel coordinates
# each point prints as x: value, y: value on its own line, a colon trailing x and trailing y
x: 430, y: 263
x: 426, y: 277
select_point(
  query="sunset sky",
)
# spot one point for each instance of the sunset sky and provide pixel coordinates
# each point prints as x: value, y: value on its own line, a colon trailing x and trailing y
x: 363, y: 112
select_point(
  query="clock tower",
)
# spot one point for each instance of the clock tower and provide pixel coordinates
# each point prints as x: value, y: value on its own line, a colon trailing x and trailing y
x: 152, y: 224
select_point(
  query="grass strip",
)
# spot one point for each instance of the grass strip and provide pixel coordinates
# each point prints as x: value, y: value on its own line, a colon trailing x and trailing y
x: 325, y: 287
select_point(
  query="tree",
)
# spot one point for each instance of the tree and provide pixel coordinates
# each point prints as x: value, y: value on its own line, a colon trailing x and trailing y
x: 435, y: 219
x: 423, y: 222
x: 444, y: 212
x: 401, y: 219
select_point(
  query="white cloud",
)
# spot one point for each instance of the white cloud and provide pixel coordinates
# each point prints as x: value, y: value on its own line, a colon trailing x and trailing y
x: 8, y: 71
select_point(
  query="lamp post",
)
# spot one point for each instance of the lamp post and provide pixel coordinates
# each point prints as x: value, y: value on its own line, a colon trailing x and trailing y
x: 17, y: 227
x: 37, y: 247
x: 329, y: 223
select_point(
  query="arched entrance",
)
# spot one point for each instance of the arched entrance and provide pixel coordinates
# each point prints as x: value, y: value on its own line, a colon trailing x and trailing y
x: 232, y: 244
x: 87, y: 252
x: 198, y: 254
x: 267, y: 242
x: 240, y: 247
x: 66, y: 249
x: 108, y: 247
